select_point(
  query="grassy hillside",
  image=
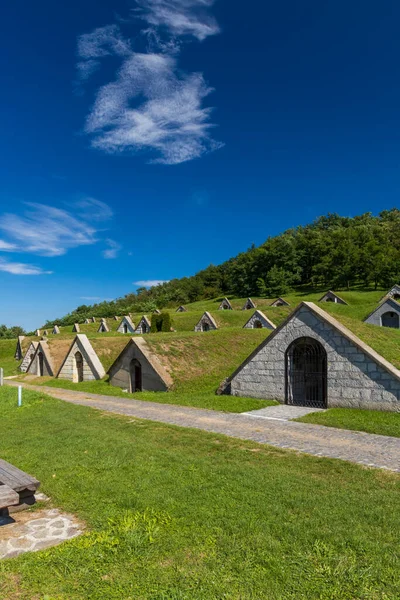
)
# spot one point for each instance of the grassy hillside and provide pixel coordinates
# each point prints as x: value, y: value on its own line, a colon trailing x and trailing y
x: 199, y: 362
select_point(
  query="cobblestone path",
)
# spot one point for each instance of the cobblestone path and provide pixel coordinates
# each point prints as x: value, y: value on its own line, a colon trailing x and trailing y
x: 357, y: 447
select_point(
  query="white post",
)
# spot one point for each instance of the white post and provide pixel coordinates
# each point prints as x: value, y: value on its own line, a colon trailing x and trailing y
x: 20, y: 395
x: 1, y: 377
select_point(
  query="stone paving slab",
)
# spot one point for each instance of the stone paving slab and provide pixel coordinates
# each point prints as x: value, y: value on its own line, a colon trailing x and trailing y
x: 358, y: 447
x: 30, y: 532
x: 282, y: 412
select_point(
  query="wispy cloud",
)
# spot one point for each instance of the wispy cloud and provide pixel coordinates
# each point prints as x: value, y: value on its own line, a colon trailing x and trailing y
x: 112, y: 250
x: 46, y: 230
x: 51, y: 231
x: 151, y: 105
x: 180, y: 17
x: 21, y: 269
x: 150, y: 282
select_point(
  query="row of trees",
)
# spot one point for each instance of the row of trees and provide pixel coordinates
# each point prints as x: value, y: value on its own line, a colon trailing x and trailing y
x: 9, y: 333
x: 332, y: 252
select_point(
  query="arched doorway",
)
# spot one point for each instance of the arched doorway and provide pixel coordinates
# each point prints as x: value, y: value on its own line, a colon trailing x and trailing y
x: 125, y: 328
x: 78, y: 367
x: 257, y: 324
x: 306, y: 373
x: 40, y: 364
x: 136, y: 376
x: 390, y: 319
x: 205, y: 326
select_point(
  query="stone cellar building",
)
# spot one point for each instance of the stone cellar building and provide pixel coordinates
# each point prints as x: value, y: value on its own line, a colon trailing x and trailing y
x: 313, y: 360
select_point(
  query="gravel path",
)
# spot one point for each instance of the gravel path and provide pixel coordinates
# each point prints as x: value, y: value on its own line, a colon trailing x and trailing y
x: 357, y: 447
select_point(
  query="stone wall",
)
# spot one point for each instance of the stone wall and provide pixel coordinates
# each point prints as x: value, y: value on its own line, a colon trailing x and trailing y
x: 258, y: 316
x: 206, y: 319
x: 68, y: 369
x: 27, y: 358
x: 389, y: 306
x: 355, y: 379
x: 34, y: 367
x: 153, y: 380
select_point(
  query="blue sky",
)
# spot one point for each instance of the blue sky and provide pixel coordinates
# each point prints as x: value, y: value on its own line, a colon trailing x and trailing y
x: 143, y: 140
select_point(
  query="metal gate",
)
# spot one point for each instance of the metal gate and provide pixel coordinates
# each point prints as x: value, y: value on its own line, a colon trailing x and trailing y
x: 306, y: 373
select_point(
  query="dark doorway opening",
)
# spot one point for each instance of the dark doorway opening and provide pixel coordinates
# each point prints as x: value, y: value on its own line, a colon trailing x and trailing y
x: 125, y: 328
x: 390, y: 319
x: 306, y: 373
x: 79, y: 367
x: 206, y: 327
x: 257, y: 324
x: 136, y: 376
x: 40, y: 364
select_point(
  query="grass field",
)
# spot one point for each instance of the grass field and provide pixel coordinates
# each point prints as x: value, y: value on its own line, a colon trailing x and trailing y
x: 7, y: 360
x: 371, y: 421
x: 178, y: 514
x: 199, y: 398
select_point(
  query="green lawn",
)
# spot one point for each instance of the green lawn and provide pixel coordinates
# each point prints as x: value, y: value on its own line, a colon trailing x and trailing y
x: 7, y: 360
x: 198, y: 398
x: 180, y: 514
x: 371, y: 421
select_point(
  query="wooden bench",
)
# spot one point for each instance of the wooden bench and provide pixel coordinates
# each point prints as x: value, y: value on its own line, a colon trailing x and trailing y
x: 22, y: 484
x: 7, y: 497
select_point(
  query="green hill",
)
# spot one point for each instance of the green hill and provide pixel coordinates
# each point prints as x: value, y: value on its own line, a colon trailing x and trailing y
x: 333, y: 252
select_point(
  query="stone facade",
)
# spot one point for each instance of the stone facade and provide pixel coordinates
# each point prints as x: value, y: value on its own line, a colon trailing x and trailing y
x: 206, y: 323
x: 181, y: 309
x: 225, y: 305
x: 386, y: 314
x: 280, y: 302
x: 357, y: 376
x: 91, y: 366
x: 76, y: 328
x: 154, y: 377
x: 332, y: 297
x: 42, y: 364
x: 27, y: 359
x: 56, y: 330
x: 103, y: 327
x: 259, y: 321
x: 249, y: 304
x: 393, y: 293
x: 126, y: 326
x: 144, y: 326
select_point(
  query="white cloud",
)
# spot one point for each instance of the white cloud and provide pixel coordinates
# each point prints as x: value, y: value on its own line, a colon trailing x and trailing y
x: 151, y: 105
x: 112, y: 250
x: 150, y: 282
x: 93, y: 209
x: 47, y: 230
x: 179, y: 17
x: 171, y: 121
x: 50, y: 231
x: 21, y: 269
x: 6, y: 247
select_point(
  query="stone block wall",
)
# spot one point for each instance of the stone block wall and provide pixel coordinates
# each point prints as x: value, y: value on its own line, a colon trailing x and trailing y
x: 355, y: 379
x: 120, y: 375
x: 376, y: 317
x: 68, y: 370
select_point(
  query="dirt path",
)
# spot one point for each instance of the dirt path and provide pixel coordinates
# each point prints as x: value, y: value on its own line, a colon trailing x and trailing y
x: 357, y: 447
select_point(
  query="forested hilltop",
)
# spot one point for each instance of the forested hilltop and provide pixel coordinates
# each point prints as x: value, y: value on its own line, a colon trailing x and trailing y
x: 332, y: 252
